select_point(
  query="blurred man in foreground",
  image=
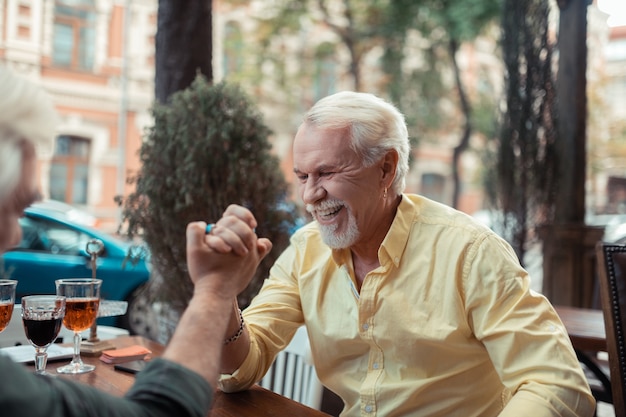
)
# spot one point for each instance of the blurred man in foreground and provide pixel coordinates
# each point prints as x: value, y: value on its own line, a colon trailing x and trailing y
x: 180, y: 383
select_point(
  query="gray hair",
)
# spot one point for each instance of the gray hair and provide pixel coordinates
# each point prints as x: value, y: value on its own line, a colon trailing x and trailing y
x: 375, y: 125
x: 26, y: 115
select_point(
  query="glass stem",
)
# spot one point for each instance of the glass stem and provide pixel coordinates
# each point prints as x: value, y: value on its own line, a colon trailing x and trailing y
x: 76, y: 358
x: 41, y: 357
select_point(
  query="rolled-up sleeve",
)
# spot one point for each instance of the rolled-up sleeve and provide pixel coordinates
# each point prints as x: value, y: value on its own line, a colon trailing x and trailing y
x: 163, y: 389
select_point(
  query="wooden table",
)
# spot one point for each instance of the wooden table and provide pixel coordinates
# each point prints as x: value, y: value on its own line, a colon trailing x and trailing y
x: 585, y: 327
x: 257, y: 401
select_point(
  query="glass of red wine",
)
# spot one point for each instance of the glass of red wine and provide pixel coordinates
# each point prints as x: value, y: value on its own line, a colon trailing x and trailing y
x: 42, y: 316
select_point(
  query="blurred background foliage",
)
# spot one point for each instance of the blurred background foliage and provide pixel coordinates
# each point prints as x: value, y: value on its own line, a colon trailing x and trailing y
x: 522, y: 179
x: 428, y: 31
x: 208, y: 148
x: 408, y: 51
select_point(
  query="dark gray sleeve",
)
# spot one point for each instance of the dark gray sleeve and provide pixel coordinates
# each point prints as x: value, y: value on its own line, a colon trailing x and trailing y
x: 163, y: 389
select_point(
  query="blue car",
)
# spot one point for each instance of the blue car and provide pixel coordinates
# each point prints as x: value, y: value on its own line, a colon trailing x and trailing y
x: 54, y: 245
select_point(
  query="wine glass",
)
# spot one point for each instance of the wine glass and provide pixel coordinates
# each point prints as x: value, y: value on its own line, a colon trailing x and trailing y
x: 82, y: 298
x: 42, y: 316
x: 7, y: 301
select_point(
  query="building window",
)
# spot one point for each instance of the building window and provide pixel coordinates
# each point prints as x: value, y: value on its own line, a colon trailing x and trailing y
x: 69, y: 170
x: 433, y: 186
x: 233, y: 50
x: 74, y: 34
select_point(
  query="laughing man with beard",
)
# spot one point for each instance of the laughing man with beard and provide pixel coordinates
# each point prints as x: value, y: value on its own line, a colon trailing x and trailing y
x: 412, y: 308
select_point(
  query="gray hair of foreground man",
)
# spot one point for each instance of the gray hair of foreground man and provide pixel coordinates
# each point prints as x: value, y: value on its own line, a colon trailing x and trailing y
x: 375, y: 125
x: 26, y: 115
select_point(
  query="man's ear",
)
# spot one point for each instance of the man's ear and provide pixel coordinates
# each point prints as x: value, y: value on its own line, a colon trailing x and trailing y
x: 388, y: 166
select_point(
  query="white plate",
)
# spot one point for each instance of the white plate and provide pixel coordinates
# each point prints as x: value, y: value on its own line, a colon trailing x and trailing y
x: 26, y: 353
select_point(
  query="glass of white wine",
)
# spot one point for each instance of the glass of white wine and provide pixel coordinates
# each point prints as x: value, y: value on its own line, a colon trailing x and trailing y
x: 7, y: 301
x: 82, y: 298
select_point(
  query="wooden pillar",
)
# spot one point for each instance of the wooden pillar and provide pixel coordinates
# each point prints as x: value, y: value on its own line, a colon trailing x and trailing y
x: 571, y: 85
x: 568, y: 245
x: 569, y: 264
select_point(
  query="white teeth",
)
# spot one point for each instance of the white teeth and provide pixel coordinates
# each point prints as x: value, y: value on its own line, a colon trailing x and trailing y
x: 328, y: 212
x: 327, y: 215
x: 325, y: 210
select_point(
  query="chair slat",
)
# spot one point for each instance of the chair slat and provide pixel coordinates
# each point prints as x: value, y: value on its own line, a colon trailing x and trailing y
x: 293, y: 375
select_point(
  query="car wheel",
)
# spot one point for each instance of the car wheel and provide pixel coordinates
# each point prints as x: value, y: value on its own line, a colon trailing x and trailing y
x: 140, y: 318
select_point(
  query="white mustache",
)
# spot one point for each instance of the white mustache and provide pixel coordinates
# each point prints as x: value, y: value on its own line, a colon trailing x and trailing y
x: 324, y: 205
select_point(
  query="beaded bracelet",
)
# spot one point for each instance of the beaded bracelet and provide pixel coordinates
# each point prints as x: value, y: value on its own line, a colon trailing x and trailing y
x: 237, y: 335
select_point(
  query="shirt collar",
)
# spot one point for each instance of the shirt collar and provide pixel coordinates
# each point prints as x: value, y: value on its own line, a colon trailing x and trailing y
x: 397, y: 237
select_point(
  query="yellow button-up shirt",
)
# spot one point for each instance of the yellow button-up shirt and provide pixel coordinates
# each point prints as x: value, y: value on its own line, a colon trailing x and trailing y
x: 446, y: 326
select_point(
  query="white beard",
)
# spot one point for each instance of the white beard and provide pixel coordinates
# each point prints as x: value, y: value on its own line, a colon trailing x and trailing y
x: 329, y: 232
x: 340, y: 240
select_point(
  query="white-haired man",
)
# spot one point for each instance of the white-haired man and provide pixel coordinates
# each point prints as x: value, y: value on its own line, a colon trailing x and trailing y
x: 412, y: 308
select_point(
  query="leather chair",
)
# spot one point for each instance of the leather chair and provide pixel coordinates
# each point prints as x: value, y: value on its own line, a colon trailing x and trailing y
x: 612, y: 275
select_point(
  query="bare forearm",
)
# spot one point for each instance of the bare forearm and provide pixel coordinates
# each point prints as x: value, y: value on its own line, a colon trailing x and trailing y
x: 211, y: 314
x: 235, y: 352
x: 198, y: 339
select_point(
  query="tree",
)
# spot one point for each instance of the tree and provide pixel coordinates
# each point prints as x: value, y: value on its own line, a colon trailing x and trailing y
x: 568, y: 244
x: 362, y: 27
x: 417, y: 90
x: 208, y: 148
x: 357, y: 25
x: 523, y: 181
x: 461, y: 22
x: 183, y: 45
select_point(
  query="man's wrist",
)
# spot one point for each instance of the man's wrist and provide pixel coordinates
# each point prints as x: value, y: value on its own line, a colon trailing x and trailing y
x: 239, y: 332
x: 209, y: 286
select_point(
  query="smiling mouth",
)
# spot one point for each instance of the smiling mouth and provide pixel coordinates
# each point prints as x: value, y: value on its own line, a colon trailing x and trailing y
x: 325, y: 211
x: 328, y: 214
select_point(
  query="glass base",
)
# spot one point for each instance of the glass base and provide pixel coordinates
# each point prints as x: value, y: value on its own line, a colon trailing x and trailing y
x: 44, y: 373
x: 75, y: 368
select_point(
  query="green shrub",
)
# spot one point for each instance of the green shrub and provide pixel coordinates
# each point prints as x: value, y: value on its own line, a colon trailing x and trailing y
x: 208, y: 148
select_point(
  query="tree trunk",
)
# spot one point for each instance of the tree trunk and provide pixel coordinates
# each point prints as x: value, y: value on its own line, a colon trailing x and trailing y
x: 183, y: 45
x: 463, y: 144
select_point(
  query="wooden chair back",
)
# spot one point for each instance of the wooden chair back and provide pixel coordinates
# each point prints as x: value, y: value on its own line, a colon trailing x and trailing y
x: 612, y: 275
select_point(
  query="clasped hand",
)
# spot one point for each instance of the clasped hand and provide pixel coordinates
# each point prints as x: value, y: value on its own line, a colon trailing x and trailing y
x: 225, y: 260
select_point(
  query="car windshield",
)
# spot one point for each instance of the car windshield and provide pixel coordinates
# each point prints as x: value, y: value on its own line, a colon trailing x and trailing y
x: 47, y: 236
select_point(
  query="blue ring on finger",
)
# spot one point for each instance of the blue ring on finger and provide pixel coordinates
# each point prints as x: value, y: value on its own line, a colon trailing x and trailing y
x: 209, y: 227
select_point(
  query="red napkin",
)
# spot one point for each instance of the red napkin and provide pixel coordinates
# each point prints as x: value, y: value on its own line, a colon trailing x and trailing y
x: 130, y: 353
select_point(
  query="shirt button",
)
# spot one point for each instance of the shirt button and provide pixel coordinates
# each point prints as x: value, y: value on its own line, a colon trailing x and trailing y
x: 375, y: 366
x: 366, y: 326
x: 368, y: 408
